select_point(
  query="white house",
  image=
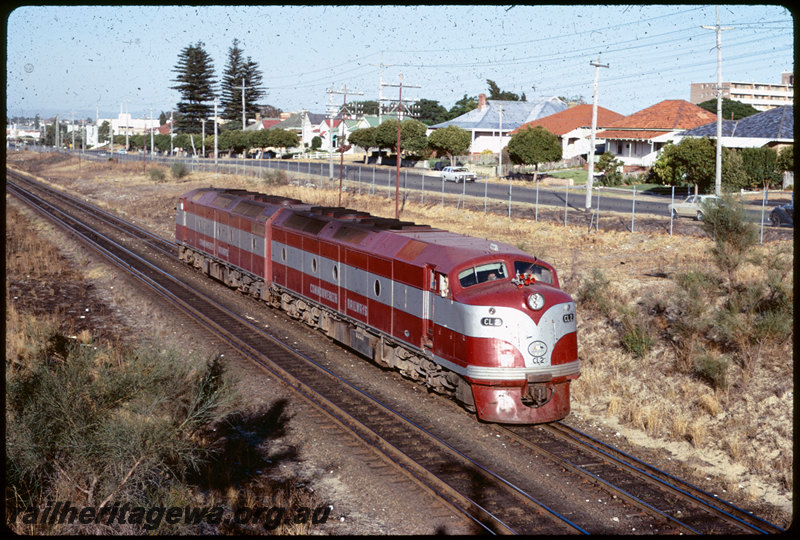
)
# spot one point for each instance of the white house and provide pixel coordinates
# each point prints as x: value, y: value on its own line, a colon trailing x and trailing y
x: 491, y: 124
x: 573, y: 127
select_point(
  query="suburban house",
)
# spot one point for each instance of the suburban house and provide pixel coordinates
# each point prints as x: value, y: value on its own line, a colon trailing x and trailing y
x: 491, y: 124
x: 773, y: 128
x: 636, y: 139
x: 302, y: 123
x: 262, y: 123
x: 573, y: 127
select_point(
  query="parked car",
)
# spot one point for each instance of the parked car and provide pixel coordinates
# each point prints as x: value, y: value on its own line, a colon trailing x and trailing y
x: 439, y: 165
x: 782, y: 215
x: 692, y: 206
x: 458, y: 175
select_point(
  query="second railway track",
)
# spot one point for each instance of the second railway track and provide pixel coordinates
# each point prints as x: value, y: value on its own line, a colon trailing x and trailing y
x: 483, y: 492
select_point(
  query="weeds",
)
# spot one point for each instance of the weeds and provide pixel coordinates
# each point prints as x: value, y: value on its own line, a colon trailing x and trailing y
x: 179, y: 170
x: 157, y: 174
x: 84, y: 428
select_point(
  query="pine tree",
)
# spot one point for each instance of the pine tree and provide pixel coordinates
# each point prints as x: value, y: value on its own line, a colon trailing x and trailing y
x: 236, y: 71
x: 195, y: 82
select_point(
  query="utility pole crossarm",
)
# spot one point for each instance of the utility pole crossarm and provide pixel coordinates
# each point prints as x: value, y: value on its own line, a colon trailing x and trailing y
x: 399, y: 120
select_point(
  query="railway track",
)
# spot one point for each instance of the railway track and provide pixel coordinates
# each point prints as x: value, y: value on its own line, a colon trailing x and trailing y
x: 492, y: 502
x: 685, y: 506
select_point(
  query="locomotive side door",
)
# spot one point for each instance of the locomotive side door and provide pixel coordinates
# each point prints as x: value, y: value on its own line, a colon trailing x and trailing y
x: 435, y: 284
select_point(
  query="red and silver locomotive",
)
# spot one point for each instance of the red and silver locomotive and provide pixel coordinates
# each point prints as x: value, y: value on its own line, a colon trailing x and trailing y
x: 480, y: 321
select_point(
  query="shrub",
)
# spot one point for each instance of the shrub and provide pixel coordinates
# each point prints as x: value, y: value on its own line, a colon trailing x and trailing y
x: 713, y: 368
x: 157, y: 174
x: 734, y: 235
x: 594, y: 293
x: 275, y: 177
x: 179, y: 170
x: 115, y: 424
x: 636, y: 338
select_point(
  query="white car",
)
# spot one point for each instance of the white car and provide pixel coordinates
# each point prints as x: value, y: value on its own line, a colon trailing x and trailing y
x: 458, y: 175
x: 692, y: 206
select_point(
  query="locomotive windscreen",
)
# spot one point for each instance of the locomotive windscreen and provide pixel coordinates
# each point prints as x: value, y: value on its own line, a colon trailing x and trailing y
x: 539, y: 273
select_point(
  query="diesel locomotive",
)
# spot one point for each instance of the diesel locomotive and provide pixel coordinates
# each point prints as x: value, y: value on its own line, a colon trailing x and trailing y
x: 480, y: 321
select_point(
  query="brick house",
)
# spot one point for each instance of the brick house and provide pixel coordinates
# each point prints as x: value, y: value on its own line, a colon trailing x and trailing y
x: 636, y: 139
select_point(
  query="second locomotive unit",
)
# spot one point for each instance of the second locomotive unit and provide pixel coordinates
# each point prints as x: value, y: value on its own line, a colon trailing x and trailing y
x: 480, y: 321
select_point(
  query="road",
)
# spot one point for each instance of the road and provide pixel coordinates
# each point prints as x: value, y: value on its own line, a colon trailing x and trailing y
x: 429, y: 182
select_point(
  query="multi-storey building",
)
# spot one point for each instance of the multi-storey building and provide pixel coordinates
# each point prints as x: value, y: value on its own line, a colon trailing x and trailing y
x: 762, y: 96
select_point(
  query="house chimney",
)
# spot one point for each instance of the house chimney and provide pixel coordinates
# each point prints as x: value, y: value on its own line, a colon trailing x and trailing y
x: 481, y: 101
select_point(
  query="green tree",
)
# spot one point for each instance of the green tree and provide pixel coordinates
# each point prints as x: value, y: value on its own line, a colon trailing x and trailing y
x: 103, y: 131
x: 234, y: 141
x: 786, y: 158
x: 363, y: 138
x: 316, y: 143
x: 430, y: 112
x: 195, y: 82
x: 237, y: 70
x: 496, y: 93
x: 734, y: 176
x: 450, y: 141
x: 462, y: 106
x: 282, y: 138
x: 610, y: 167
x: 161, y: 142
x: 532, y: 146
x: 258, y: 138
x: 731, y: 108
x: 412, y: 136
x: 690, y: 161
x: 761, y: 165
x: 364, y: 107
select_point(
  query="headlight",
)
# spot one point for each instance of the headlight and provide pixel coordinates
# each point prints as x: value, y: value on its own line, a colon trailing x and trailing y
x: 536, y: 301
x: 537, y: 348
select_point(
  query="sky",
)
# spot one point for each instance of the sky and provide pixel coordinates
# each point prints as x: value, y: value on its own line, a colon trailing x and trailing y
x: 85, y: 60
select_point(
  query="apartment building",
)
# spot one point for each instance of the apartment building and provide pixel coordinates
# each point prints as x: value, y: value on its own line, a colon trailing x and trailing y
x: 762, y: 96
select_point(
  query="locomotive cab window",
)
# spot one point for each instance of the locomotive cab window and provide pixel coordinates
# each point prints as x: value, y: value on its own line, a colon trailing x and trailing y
x: 482, y: 273
x: 539, y: 272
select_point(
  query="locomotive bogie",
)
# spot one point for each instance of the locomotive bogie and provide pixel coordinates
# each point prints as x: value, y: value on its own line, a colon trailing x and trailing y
x: 485, y: 325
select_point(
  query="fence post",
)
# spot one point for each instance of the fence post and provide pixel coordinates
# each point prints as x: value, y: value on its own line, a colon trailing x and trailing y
x: 597, y: 221
x: 566, y: 202
x: 485, y: 193
x: 763, y: 205
x: 510, y: 186
x: 422, y: 202
x: 672, y: 203
x: 633, y: 207
x: 536, y: 206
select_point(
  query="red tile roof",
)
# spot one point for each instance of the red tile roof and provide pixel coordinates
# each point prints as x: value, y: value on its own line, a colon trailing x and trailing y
x: 572, y: 118
x: 664, y: 117
x: 269, y: 122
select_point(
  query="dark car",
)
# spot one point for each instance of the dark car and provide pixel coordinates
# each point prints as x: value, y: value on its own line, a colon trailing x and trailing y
x: 441, y: 164
x: 782, y: 215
